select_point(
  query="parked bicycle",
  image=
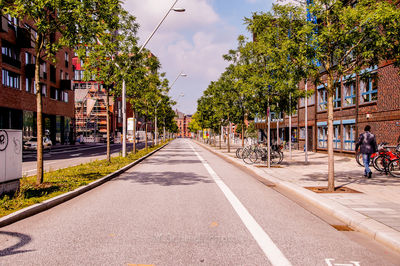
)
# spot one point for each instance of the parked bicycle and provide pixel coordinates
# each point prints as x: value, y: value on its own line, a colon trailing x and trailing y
x: 257, y: 153
x: 388, y: 161
x: 359, y: 159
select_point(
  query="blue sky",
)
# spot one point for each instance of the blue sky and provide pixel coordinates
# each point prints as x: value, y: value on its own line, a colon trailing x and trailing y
x: 193, y: 41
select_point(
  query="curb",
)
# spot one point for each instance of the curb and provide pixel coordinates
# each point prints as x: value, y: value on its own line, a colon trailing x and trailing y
x: 359, y: 222
x: 50, y: 203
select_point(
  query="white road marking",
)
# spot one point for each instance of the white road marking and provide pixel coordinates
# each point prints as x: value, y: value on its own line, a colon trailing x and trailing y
x: 273, y: 253
x: 352, y: 263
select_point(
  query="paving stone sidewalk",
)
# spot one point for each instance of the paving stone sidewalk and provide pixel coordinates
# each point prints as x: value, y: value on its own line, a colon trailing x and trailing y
x: 379, y: 198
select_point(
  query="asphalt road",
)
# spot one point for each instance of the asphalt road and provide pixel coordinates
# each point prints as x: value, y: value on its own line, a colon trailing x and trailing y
x: 70, y: 155
x: 184, y: 206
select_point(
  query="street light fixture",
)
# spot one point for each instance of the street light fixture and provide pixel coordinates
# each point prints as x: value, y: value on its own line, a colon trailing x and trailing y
x: 123, y: 87
x: 179, y: 75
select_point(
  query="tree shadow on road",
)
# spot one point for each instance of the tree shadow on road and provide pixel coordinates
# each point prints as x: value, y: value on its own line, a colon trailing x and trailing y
x: 23, y: 240
x: 166, y: 178
x: 168, y: 161
x: 355, y: 177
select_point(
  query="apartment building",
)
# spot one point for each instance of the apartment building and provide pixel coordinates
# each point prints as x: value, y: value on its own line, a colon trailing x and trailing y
x: 374, y: 101
x: 183, y: 122
x: 18, y: 91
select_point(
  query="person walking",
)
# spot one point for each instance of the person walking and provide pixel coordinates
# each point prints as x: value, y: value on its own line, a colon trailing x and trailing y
x: 368, y: 146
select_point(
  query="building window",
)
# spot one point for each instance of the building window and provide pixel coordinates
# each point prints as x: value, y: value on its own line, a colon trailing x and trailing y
x: 349, y: 93
x: 337, y: 96
x: 78, y: 75
x: 349, y: 137
x: 54, y: 93
x: 44, y: 89
x: 43, y: 70
x: 34, y: 87
x: 53, y: 72
x: 66, y: 57
x: 311, y: 100
x: 61, y: 75
x: 336, y: 137
x: 28, y: 58
x: 28, y: 86
x: 322, y: 99
x: 302, y: 133
x: 322, y: 136
x: 10, y: 55
x: 9, y: 52
x: 11, y: 79
x: 301, y: 103
x: 369, y: 89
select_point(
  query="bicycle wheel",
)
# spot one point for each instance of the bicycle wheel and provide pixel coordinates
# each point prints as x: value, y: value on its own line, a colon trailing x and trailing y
x: 394, y: 168
x: 246, y: 156
x: 381, y: 162
x: 254, y: 156
x: 280, y: 157
x: 239, y: 152
x: 275, y: 157
x: 359, y: 158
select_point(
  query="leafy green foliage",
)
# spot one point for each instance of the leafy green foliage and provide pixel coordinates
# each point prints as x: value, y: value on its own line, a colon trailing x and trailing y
x: 64, y: 180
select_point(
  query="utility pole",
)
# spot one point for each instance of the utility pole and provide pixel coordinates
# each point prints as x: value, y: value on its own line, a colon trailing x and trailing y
x: 306, y: 127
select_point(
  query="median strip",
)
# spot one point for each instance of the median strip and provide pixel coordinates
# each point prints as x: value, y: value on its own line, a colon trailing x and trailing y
x: 64, y: 184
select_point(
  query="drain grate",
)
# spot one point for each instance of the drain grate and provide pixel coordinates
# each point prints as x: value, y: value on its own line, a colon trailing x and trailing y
x: 341, y: 227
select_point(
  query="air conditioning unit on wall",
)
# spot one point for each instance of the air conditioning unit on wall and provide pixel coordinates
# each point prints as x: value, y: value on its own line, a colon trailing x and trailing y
x: 10, y: 160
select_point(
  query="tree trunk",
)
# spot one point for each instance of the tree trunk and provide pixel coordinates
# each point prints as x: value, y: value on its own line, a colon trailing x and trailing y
x: 164, y: 130
x: 155, y: 131
x: 134, y: 129
x: 243, y: 134
x: 331, y: 159
x: 39, y: 117
x: 108, y: 124
x: 220, y: 138
x: 229, y: 137
x: 145, y: 141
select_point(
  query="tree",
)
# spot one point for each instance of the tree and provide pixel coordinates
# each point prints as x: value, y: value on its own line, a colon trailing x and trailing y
x: 194, y: 126
x: 239, y: 76
x: 73, y: 20
x: 106, y: 55
x: 136, y: 76
x: 348, y: 38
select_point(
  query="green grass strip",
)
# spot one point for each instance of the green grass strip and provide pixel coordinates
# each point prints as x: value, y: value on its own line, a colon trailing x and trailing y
x: 64, y: 180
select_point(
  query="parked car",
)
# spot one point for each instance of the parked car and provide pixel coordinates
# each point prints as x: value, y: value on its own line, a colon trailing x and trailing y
x: 31, y: 144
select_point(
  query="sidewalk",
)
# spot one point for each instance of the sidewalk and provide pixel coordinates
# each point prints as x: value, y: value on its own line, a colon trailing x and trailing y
x: 375, y: 211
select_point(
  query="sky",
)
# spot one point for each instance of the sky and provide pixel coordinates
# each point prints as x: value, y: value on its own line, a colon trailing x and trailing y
x: 193, y: 42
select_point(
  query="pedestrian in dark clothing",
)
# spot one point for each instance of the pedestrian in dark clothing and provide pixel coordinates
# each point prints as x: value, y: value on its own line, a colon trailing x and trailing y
x: 367, y: 144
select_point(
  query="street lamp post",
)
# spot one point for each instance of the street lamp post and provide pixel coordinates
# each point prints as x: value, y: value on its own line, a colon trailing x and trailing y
x: 124, y: 92
x: 179, y: 75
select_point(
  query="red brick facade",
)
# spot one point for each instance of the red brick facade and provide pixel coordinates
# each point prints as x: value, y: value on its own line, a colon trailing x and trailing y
x: 18, y: 99
x: 183, y: 122
x: 381, y: 111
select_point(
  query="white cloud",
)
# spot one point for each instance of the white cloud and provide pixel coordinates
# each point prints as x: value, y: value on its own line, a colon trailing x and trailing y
x: 193, y: 42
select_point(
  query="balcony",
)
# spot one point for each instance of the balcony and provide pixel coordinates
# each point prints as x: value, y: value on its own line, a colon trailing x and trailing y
x: 11, y: 61
x: 65, y: 84
x: 4, y: 24
x: 24, y: 38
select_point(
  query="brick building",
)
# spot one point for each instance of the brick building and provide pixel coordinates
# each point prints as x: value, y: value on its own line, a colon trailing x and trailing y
x: 376, y: 102
x: 183, y: 122
x: 18, y: 98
